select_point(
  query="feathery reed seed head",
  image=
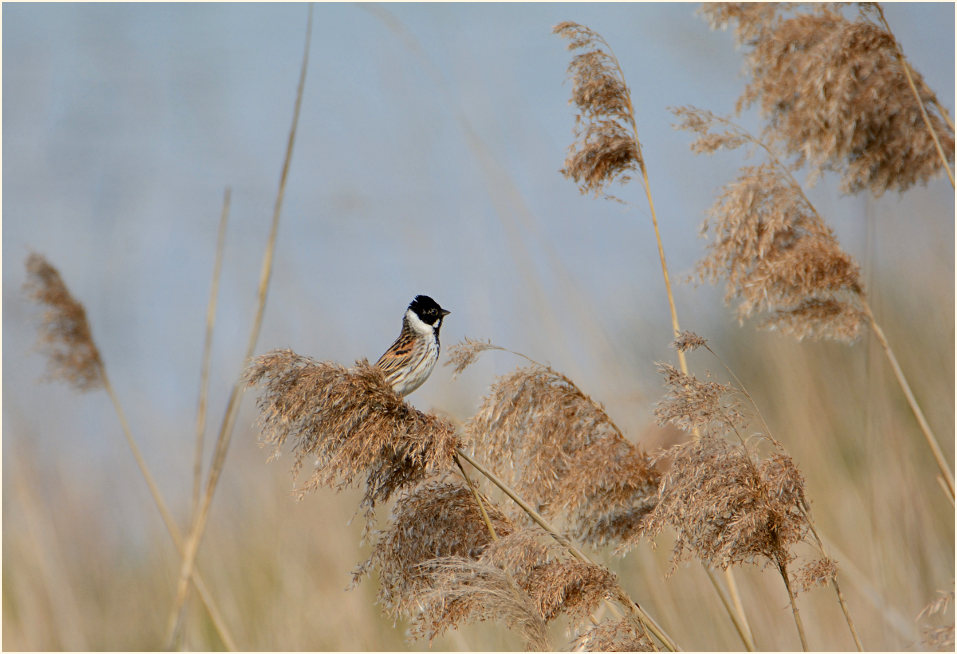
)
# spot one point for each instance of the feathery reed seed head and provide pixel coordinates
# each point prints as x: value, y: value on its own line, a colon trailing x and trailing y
x: 690, y: 404
x: 351, y: 421
x: 605, y: 149
x: 559, y: 450
x: 606, y: 492
x: 688, y: 341
x: 530, y: 423
x: 466, y: 590
x: 938, y: 638
x: 614, y: 636
x: 65, y: 334
x: 439, y: 518
x: 462, y: 355
x: 816, y: 573
x: 777, y: 256
x: 836, y: 94
x: 725, y: 507
x: 556, y: 582
x: 719, y: 503
x: 514, y: 576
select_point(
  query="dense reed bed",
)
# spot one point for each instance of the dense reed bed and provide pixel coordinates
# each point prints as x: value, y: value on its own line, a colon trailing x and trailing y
x: 748, y: 511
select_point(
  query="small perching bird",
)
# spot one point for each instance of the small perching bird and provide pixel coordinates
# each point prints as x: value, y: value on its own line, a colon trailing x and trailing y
x: 410, y: 359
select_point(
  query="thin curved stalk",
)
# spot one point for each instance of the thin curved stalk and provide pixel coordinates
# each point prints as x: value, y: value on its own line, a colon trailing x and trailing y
x: 207, y: 351
x: 834, y: 582
x: 945, y: 472
x: 794, y: 609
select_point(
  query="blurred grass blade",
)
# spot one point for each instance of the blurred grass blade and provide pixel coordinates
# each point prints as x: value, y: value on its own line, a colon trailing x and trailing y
x: 207, y: 350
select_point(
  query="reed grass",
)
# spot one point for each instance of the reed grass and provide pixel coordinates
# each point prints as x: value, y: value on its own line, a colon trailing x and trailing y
x: 606, y: 151
x: 207, y: 352
x: 780, y: 260
x: 73, y: 357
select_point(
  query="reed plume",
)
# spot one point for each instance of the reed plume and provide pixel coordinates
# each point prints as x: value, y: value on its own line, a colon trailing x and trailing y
x: 778, y: 258
x: 606, y: 148
x: 613, y: 636
x: 438, y: 518
x: 440, y: 567
x: 351, y: 422
x: 516, y: 579
x: 65, y: 336
x: 559, y: 450
x: 838, y: 93
x: 726, y: 506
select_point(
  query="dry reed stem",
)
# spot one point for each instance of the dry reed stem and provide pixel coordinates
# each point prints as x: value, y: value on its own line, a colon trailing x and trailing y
x: 827, y: 571
x: 925, y: 428
x: 597, y: 158
x: 66, y: 336
x: 207, y: 353
x: 232, y: 406
x: 478, y: 499
x: 782, y: 567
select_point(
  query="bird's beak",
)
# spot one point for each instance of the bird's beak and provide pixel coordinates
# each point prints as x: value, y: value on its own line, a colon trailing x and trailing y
x: 445, y: 313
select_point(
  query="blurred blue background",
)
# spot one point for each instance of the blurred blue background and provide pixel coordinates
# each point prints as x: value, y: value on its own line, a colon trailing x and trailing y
x: 426, y: 161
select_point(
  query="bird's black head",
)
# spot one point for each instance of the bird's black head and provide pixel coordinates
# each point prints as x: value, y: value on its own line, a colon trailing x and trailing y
x: 428, y: 310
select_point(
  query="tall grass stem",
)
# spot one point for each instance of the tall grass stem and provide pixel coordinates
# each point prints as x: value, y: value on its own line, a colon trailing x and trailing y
x: 794, y: 609
x: 207, y: 351
x: 914, y: 406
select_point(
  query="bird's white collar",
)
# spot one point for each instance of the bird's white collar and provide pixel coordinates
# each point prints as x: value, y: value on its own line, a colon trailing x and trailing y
x: 417, y: 324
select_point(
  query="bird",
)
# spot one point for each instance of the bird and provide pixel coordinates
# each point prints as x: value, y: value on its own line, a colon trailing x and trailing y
x: 410, y: 359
